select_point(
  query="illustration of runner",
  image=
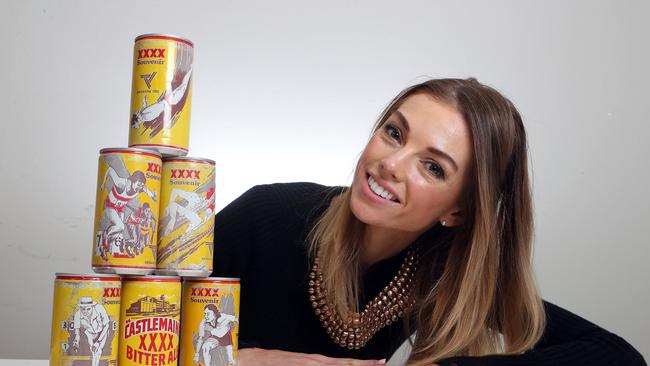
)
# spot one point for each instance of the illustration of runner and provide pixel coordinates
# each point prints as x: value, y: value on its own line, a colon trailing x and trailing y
x: 91, y: 318
x: 141, y: 225
x: 214, y: 331
x: 123, y: 190
x: 196, y: 204
x: 167, y: 105
x: 147, y: 227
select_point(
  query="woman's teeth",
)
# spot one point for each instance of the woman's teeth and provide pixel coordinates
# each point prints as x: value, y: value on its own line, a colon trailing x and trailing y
x: 379, y: 190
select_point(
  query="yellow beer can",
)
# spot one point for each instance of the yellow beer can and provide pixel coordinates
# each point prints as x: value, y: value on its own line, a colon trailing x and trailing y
x: 161, y: 94
x: 210, y: 319
x: 126, y: 211
x: 85, y: 319
x: 186, y: 232
x: 150, y: 320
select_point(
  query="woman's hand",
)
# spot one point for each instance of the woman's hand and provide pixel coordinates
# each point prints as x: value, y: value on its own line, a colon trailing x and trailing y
x: 266, y: 357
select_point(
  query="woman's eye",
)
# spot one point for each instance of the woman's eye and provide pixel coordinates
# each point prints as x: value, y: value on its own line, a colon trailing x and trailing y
x: 393, y: 132
x: 435, y: 169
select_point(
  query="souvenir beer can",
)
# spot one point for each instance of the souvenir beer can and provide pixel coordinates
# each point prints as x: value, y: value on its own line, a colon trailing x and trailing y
x: 210, y: 318
x: 126, y: 211
x: 150, y: 320
x: 85, y: 319
x: 186, y: 232
x: 161, y: 94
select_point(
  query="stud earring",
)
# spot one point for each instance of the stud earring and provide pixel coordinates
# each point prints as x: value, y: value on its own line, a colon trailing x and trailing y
x: 443, y: 223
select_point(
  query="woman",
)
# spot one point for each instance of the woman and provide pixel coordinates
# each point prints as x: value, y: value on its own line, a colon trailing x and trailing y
x: 434, y: 236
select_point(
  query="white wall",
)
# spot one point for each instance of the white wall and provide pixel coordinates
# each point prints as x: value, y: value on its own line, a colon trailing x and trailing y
x: 287, y: 91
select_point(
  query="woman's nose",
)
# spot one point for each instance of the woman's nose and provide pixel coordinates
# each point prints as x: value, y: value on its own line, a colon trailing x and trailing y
x: 391, y: 167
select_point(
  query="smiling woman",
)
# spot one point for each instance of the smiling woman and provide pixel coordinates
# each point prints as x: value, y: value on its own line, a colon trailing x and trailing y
x: 434, y: 237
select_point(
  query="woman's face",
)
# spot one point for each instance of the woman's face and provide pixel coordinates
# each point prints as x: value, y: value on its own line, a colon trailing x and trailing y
x: 411, y: 174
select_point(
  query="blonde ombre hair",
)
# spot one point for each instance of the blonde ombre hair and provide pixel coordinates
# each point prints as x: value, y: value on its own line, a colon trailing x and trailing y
x: 475, y: 288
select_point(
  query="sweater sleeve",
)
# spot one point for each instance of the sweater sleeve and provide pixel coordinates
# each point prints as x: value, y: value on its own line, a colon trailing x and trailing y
x: 568, y: 340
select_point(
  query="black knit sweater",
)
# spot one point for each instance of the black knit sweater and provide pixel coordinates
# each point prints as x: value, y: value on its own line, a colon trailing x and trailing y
x: 261, y: 238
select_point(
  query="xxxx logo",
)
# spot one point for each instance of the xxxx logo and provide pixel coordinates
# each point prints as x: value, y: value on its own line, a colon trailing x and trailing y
x: 199, y: 291
x: 147, y: 79
x: 186, y: 173
x: 151, y: 342
x: 151, y: 53
x: 112, y: 292
x: 153, y: 168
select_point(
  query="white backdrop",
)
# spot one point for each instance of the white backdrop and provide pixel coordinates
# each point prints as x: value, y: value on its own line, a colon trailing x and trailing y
x: 287, y: 91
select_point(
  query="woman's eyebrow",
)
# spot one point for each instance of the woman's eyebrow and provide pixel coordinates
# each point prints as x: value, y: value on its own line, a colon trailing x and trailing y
x: 432, y: 150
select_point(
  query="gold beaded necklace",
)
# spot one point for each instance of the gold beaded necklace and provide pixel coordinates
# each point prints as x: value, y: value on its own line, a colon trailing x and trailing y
x: 358, y: 328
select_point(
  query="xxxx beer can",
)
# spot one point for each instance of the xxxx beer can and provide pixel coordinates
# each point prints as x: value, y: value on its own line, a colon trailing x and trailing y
x: 161, y: 94
x: 85, y: 319
x: 210, y: 320
x: 150, y: 320
x: 126, y: 211
x: 186, y: 234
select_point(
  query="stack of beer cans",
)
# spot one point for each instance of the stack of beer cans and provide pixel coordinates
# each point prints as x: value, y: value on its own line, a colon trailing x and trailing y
x: 154, y: 223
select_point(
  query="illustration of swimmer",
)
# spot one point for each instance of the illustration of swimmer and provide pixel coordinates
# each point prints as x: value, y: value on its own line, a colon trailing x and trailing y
x: 214, y: 332
x: 92, y: 319
x: 165, y: 107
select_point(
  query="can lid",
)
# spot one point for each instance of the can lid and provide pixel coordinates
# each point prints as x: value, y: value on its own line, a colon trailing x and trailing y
x: 151, y: 278
x: 86, y: 276
x: 189, y: 160
x: 164, y: 36
x: 211, y: 279
x: 132, y: 150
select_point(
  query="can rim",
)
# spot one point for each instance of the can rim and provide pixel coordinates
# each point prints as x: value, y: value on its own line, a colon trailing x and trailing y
x: 189, y: 159
x: 164, y: 35
x: 88, y: 275
x: 108, y: 150
x: 151, y: 278
x: 211, y: 279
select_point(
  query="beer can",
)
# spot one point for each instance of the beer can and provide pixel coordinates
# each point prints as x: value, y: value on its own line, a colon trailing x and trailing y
x: 186, y: 232
x: 85, y: 319
x: 210, y: 318
x: 150, y: 320
x: 126, y: 211
x: 161, y: 94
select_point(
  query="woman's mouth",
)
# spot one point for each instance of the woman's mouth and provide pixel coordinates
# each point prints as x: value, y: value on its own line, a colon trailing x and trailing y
x: 379, y: 190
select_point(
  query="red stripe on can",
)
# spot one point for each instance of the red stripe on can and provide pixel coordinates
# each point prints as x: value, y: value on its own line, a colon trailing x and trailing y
x: 151, y: 279
x: 88, y: 278
x: 215, y: 281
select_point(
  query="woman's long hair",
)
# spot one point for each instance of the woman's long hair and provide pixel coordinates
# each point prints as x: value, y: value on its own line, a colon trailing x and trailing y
x: 477, y: 296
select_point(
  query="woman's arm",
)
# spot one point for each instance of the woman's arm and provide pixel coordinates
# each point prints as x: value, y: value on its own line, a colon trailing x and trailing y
x: 568, y: 340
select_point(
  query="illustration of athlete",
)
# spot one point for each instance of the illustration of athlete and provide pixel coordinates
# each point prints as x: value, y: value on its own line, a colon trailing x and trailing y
x: 122, y: 191
x: 141, y: 225
x: 214, y: 331
x: 196, y: 204
x: 92, y: 319
x: 167, y: 105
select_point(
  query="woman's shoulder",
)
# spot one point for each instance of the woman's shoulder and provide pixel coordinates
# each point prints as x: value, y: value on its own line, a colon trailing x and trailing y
x: 294, y: 195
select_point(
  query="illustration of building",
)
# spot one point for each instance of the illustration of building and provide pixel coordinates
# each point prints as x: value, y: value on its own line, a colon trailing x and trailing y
x: 149, y: 305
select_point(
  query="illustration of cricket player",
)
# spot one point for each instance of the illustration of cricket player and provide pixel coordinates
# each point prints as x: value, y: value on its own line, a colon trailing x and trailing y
x: 167, y: 106
x: 197, y: 204
x: 92, y: 319
x: 122, y: 191
x: 214, y: 331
